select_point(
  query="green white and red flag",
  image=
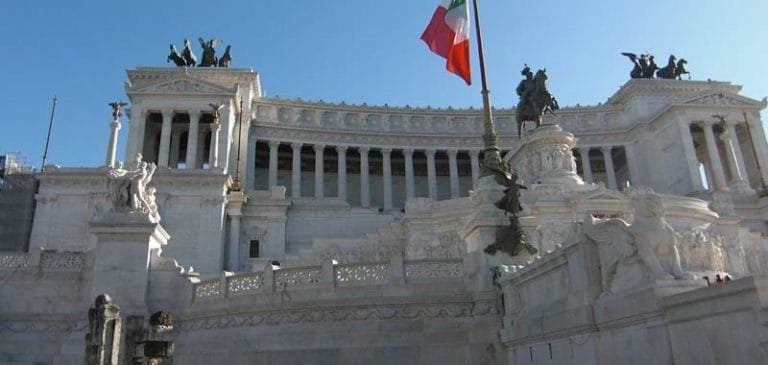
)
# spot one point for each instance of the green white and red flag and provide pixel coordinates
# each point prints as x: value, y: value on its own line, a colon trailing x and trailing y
x: 447, y: 35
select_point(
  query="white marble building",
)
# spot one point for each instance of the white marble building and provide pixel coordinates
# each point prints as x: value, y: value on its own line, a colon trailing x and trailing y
x: 378, y: 217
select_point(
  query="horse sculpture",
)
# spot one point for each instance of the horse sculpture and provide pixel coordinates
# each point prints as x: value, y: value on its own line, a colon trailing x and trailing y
x: 175, y: 57
x: 226, y: 59
x: 668, y: 71
x: 189, y: 57
x: 674, y: 69
x: 535, y: 99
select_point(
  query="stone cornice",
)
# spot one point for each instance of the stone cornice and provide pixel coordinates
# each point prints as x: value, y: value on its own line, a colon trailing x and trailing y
x: 669, y: 89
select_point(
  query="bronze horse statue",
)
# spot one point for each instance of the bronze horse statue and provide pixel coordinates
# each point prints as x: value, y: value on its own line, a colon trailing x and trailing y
x: 535, y: 100
x: 226, y: 59
x: 189, y: 57
x: 674, y: 69
x: 175, y: 57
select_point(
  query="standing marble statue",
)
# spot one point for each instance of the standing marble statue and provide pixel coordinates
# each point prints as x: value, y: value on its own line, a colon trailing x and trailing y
x: 127, y: 189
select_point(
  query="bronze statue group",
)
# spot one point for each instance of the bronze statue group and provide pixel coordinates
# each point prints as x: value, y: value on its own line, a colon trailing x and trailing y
x: 188, y: 59
x: 646, y: 68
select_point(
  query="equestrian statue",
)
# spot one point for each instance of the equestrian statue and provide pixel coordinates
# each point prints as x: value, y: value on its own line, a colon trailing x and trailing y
x: 535, y: 99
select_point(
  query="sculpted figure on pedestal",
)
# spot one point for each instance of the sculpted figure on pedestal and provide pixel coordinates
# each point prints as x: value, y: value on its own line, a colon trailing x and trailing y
x: 127, y: 189
x: 535, y: 99
x: 649, y: 241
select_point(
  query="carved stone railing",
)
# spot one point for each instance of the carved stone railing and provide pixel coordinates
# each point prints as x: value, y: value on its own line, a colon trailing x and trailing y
x: 43, y: 260
x: 328, y: 276
x: 74, y: 261
x: 297, y: 276
x: 361, y: 273
x: 245, y: 284
x: 14, y: 260
x: 433, y: 269
x: 208, y: 289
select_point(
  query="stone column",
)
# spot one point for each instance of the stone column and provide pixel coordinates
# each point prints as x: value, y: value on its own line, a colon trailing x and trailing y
x: 714, y: 157
x: 410, y: 187
x: 365, y: 194
x: 342, y: 172
x: 165, y: 139
x: 173, y: 159
x: 634, y: 173
x: 609, y: 171
x: 200, y: 155
x: 114, y: 127
x: 453, y: 169
x: 194, y: 129
x: 690, y: 155
x: 757, y: 135
x: 474, y: 160
x: 319, y: 171
x: 215, y: 133
x: 273, y: 154
x: 250, y: 167
x: 296, y: 171
x: 235, y: 201
x: 386, y: 154
x: 431, y: 174
x: 730, y: 129
x: 730, y: 154
x: 586, y: 164
x: 136, y: 123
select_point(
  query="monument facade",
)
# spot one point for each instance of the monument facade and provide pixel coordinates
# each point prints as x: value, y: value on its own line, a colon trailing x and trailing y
x: 359, y: 232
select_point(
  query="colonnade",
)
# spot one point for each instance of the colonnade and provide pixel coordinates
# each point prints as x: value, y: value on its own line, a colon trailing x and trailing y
x: 720, y: 139
x: 606, y: 157
x: 365, y: 152
x: 171, y: 138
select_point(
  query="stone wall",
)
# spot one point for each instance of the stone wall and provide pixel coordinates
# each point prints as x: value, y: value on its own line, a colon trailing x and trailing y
x: 17, y: 207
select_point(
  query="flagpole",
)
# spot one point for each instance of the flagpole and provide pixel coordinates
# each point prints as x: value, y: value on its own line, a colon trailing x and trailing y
x: 48, y: 138
x: 492, y: 160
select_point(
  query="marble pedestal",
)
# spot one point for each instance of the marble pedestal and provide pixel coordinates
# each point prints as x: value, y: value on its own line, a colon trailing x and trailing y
x: 545, y: 157
x: 121, y: 258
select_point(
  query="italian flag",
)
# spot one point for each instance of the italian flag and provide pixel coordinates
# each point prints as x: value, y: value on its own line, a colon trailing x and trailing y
x: 447, y: 35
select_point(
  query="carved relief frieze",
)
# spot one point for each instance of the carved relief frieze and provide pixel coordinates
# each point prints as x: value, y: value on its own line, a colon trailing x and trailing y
x: 340, y: 314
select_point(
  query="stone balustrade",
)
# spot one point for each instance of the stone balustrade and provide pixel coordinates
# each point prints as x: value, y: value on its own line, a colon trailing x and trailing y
x: 329, y: 275
x: 44, y: 260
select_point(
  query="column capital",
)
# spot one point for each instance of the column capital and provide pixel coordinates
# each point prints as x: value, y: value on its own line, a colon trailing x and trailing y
x: 707, y: 123
x: 408, y: 151
x: 319, y: 147
x: 194, y: 113
x: 474, y: 153
x: 386, y: 151
x: 584, y: 150
x: 430, y: 152
x: 341, y: 149
x: 274, y: 144
x: 606, y: 149
x: 452, y: 152
x: 167, y: 113
x: 296, y: 145
x: 364, y: 149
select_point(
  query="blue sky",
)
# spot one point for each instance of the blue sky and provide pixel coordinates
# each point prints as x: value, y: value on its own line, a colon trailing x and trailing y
x: 349, y: 50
